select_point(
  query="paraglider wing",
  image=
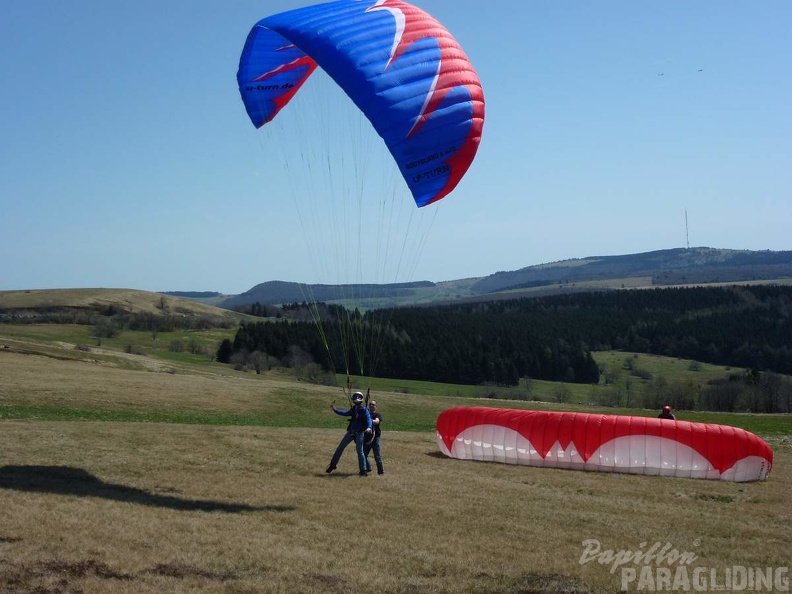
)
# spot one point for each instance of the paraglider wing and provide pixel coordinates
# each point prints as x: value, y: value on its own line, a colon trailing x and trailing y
x: 271, y: 72
x: 398, y: 64
x: 637, y: 445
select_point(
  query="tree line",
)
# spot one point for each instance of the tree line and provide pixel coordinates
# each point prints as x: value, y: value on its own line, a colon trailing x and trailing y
x: 549, y: 338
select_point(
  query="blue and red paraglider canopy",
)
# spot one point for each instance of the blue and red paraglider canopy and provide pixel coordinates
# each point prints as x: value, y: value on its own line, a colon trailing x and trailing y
x: 398, y: 64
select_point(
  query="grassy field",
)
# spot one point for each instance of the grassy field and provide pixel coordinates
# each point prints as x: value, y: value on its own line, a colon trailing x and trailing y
x: 186, y: 388
x: 157, y: 350
x: 160, y: 473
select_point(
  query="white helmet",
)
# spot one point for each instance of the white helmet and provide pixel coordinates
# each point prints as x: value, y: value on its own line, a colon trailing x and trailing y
x: 357, y: 397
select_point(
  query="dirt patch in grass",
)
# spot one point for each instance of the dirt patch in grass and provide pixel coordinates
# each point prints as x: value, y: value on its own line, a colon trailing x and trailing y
x: 180, y: 570
x: 53, y: 577
x: 57, y: 576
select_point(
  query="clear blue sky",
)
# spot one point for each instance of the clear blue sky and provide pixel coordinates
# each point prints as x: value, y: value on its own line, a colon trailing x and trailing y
x: 126, y: 158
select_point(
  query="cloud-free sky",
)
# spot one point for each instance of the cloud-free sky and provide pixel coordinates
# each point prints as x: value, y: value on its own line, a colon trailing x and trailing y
x: 127, y: 160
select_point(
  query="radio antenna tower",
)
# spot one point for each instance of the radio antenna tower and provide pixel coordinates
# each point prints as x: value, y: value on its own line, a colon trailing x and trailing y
x: 687, y: 235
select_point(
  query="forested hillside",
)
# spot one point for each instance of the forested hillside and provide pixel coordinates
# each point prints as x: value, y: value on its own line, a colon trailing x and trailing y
x: 278, y: 292
x: 748, y: 326
x: 551, y: 338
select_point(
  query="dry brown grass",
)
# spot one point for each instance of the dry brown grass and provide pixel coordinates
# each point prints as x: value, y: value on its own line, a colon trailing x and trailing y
x: 101, y: 384
x: 147, y: 507
x: 130, y: 300
x: 117, y: 507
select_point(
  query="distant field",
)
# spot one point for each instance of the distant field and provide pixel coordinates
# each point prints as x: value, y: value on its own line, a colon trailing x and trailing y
x: 57, y: 342
x: 640, y: 369
x: 62, y: 338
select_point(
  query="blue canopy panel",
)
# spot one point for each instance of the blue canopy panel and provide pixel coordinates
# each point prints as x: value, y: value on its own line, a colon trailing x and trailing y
x: 401, y: 68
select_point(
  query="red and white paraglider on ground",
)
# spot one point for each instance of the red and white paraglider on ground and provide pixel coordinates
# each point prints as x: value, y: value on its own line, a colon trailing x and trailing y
x: 605, y: 443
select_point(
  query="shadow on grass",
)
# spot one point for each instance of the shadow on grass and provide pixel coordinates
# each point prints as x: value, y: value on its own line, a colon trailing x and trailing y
x: 439, y: 455
x: 65, y: 480
x: 338, y: 474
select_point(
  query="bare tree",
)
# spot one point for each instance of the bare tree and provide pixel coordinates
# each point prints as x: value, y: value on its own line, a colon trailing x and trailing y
x: 104, y: 328
x: 260, y: 361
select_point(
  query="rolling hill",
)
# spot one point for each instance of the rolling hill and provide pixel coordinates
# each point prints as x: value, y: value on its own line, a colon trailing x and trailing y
x: 75, y: 302
x: 673, y: 267
x: 660, y: 268
x: 693, y: 266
